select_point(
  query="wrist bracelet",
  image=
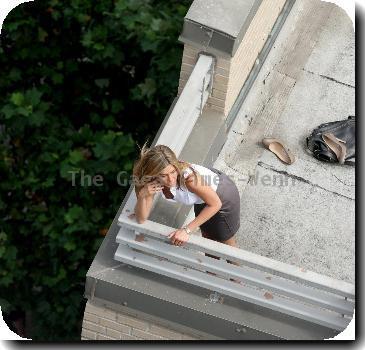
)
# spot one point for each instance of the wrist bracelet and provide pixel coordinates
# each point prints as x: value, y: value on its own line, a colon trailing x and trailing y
x: 187, y: 229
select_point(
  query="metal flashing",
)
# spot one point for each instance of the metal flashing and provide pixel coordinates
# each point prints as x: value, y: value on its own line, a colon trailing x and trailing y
x: 196, y: 307
x: 260, y: 61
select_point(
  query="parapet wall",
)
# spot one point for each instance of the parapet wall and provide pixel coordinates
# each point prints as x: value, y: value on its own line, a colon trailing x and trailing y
x: 232, y: 67
x: 105, y: 323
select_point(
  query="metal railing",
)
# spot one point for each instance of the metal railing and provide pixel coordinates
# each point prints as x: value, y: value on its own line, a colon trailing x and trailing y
x: 265, y: 282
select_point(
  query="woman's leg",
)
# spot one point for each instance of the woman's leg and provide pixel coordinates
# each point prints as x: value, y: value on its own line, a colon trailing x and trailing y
x: 232, y: 242
x: 206, y: 235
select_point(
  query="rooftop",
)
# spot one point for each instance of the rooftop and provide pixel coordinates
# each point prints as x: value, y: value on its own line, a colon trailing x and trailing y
x: 308, y: 79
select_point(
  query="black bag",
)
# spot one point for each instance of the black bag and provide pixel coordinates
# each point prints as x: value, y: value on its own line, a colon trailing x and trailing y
x: 342, y: 130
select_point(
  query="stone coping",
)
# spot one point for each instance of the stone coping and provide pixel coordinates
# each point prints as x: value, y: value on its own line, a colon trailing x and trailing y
x: 218, y: 26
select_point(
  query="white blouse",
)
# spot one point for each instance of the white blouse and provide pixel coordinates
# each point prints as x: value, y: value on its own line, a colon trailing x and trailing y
x: 183, y: 195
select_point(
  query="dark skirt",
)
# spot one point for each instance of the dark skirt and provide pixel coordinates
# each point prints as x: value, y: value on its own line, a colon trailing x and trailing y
x: 226, y: 222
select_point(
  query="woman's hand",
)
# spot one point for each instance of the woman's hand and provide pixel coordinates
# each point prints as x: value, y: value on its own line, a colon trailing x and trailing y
x: 178, y: 237
x: 149, y: 189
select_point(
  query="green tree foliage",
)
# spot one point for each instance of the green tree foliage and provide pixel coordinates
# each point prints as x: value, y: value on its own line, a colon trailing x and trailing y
x: 80, y: 83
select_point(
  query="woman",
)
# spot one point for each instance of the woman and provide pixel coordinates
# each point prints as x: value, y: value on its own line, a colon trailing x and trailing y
x: 214, y: 195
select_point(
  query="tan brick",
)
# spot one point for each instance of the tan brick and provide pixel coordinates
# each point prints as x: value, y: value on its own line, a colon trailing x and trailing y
x: 189, y: 60
x: 221, y: 71
x: 188, y: 68
x: 93, y: 327
x: 128, y: 337
x: 230, y: 99
x: 86, y: 333
x: 226, y: 110
x: 133, y: 322
x: 103, y: 337
x: 146, y: 335
x: 165, y: 332
x: 84, y: 338
x: 92, y: 309
x: 110, y: 314
x: 113, y: 333
x: 100, y: 311
x: 223, y: 63
x: 182, y: 81
x: 219, y: 94
x: 238, y: 79
x: 219, y: 86
x: 190, y: 50
x: 181, y: 88
x: 216, y: 101
x: 188, y: 337
x: 114, y: 325
x: 182, y: 85
x: 186, y: 59
x: 91, y: 317
x: 216, y: 108
x: 220, y: 79
x: 252, y: 43
x: 184, y: 75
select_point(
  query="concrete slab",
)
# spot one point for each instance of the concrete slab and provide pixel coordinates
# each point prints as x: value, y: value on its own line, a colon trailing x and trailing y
x: 298, y: 223
x: 307, y: 80
x: 337, y: 63
x: 224, y: 16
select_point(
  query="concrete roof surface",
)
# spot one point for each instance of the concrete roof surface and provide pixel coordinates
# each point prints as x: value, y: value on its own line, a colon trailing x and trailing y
x: 307, y: 79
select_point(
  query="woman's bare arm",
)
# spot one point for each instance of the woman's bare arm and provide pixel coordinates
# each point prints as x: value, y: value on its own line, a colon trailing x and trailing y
x: 143, y: 208
x: 208, y: 195
x: 144, y: 203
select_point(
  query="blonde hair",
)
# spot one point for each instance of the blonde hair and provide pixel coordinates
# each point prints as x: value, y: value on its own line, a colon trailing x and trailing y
x: 152, y: 161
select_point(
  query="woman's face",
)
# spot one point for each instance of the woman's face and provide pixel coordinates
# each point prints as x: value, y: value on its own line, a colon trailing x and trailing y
x: 168, y: 176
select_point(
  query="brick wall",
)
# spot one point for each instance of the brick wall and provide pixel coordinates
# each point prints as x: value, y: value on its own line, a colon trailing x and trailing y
x: 231, y: 73
x: 103, y: 323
